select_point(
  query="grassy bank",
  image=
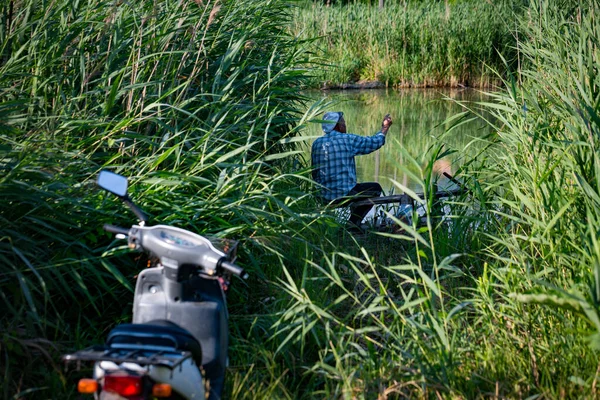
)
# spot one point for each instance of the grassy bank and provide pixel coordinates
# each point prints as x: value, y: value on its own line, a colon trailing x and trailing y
x: 190, y: 100
x: 502, y: 299
x: 411, y: 44
x: 195, y: 102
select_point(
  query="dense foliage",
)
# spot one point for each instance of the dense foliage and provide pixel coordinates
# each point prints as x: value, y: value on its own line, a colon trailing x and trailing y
x: 501, y: 298
x: 191, y: 100
x: 195, y: 101
x: 412, y: 43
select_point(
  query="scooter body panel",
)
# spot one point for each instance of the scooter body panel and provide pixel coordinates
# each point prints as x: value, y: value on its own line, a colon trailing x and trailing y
x: 150, y: 300
x: 196, y: 304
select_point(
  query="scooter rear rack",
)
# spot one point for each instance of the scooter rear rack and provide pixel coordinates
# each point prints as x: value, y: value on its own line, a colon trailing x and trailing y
x: 169, y: 359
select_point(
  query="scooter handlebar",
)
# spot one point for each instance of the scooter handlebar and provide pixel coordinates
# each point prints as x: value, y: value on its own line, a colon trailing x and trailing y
x: 175, y: 247
x: 116, y: 229
x: 234, y: 269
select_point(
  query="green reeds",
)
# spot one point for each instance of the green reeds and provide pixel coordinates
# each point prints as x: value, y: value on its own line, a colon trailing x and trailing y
x: 456, y: 313
x: 410, y: 44
x: 193, y: 101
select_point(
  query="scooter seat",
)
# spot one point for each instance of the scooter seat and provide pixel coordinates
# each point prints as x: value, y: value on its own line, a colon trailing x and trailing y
x: 160, y: 333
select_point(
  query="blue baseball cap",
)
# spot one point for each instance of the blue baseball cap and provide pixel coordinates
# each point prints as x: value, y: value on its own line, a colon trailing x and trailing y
x: 334, y: 117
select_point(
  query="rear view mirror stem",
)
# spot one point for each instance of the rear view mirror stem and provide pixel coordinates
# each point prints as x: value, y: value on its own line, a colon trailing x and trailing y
x: 117, y: 185
x: 136, y: 210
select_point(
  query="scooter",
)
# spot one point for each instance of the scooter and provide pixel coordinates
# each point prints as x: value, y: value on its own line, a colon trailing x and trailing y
x: 176, y: 345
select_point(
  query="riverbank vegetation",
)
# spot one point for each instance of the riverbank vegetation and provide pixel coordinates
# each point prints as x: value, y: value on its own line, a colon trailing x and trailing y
x: 198, y: 102
x: 411, y: 43
x: 191, y: 101
x: 503, y: 300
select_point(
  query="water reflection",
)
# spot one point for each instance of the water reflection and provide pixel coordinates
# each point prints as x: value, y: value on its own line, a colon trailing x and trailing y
x: 419, y: 116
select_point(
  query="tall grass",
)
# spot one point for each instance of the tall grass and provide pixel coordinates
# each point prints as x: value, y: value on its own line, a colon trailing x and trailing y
x: 498, y: 300
x: 192, y: 100
x: 411, y: 43
x: 196, y: 102
x: 544, y: 194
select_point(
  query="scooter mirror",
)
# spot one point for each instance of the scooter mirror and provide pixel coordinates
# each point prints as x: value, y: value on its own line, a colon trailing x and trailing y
x: 112, y: 182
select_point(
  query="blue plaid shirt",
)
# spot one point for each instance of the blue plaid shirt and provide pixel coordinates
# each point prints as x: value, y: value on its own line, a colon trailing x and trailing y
x: 333, y: 160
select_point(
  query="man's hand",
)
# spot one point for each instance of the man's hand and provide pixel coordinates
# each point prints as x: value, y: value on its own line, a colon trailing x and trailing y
x: 387, y: 122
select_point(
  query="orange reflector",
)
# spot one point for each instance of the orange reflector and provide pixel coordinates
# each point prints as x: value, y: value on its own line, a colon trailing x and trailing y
x: 161, y: 390
x: 87, y: 386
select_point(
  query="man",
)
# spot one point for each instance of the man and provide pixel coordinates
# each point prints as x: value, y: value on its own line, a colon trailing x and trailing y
x: 334, y: 167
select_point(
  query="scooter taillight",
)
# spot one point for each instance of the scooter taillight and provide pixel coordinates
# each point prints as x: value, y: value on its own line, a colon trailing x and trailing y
x: 124, y: 385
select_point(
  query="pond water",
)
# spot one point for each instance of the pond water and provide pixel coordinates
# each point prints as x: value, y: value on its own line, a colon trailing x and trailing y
x: 419, y: 117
